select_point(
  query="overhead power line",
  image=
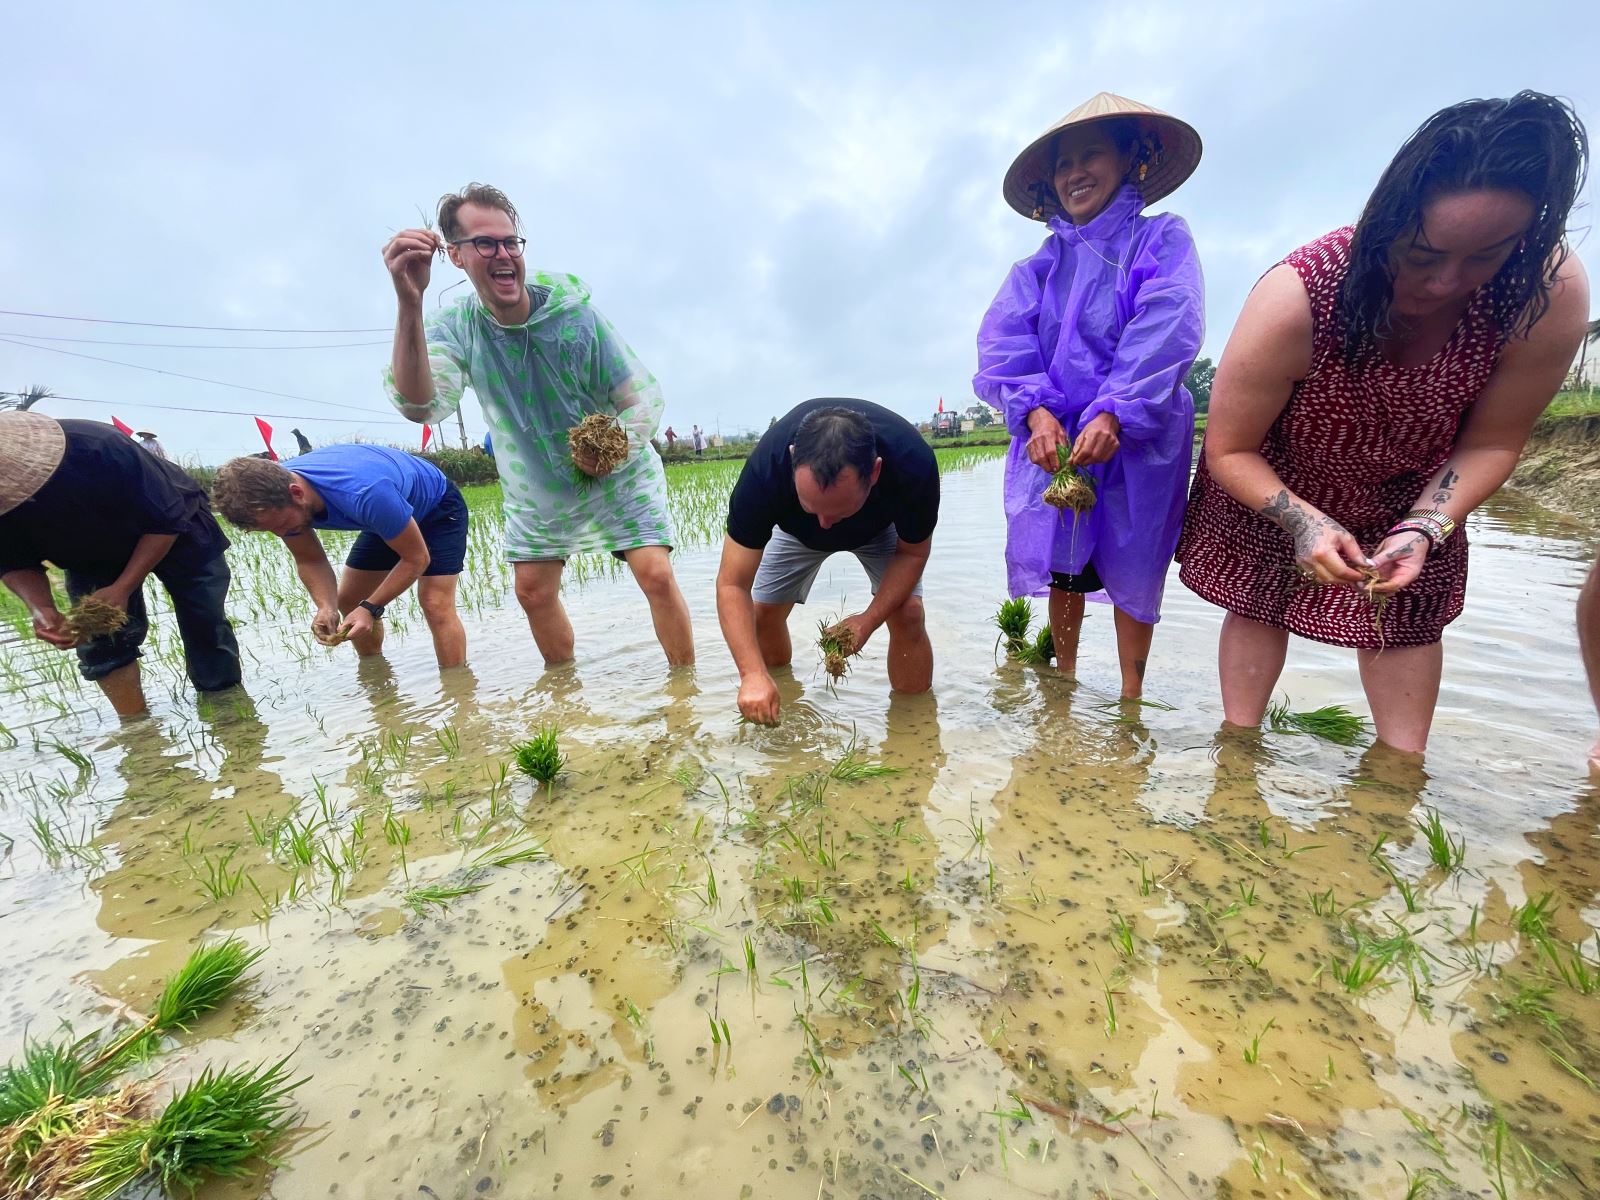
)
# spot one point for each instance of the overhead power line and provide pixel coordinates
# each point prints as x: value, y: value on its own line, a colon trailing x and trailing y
x: 243, y: 387
x: 45, y: 337
x: 9, y: 312
x: 230, y: 412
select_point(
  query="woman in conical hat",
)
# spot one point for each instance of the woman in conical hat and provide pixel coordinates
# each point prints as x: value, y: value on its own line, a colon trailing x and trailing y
x: 1084, y: 352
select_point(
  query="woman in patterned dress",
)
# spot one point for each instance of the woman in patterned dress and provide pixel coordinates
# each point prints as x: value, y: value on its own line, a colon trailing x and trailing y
x: 1378, y: 386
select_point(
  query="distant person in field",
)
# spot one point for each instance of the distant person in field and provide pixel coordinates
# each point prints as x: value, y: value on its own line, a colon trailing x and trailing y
x: 540, y: 357
x: 830, y: 476
x: 413, y: 526
x: 151, y: 443
x: 84, y: 497
x: 699, y: 440
x: 1379, y: 385
x: 672, y: 437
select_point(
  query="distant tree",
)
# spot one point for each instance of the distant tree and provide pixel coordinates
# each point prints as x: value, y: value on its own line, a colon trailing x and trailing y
x: 980, y: 415
x: 24, y: 400
x: 1198, y: 381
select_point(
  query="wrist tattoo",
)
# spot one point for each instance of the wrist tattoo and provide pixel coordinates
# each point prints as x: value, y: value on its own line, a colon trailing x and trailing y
x: 1446, y: 489
x: 1295, y: 519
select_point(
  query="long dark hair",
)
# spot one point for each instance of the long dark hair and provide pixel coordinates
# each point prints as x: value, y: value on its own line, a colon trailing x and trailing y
x: 1531, y: 143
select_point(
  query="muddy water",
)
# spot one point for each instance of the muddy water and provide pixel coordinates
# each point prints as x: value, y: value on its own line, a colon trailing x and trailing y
x: 1065, y: 949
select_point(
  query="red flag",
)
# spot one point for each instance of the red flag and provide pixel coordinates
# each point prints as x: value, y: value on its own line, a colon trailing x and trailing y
x: 427, y: 432
x: 125, y: 430
x: 266, y: 436
x: 941, y: 403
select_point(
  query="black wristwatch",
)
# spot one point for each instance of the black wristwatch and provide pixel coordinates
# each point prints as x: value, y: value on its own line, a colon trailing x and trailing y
x: 375, y: 609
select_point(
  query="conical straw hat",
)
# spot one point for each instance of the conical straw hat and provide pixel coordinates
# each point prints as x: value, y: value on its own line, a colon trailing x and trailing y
x: 1174, y: 153
x: 31, y: 446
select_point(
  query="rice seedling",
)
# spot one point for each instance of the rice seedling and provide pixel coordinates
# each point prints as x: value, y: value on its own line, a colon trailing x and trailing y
x: 80, y: 760
x: 540, y: 757
x: 1580, y: 974
x: 1332, y: 723
x: 218, y: 882
x: 1122, y: 935
x: 48, y: 1073
x: 437, y: 895
x: 1040, y: 650
x: 206, y: 979
x: 837, y: 643
x: 1252, y: 1052
x: 449, y: 739
x: 1421, y: 1185
x: 1447, y: 853
x: 1533, y: 918
x: 91, y: 617
x: 1531, y: 999
x: 598, y: 436
x: 1069, y: 489
x: 1013, y: 619
x: 853, y: 766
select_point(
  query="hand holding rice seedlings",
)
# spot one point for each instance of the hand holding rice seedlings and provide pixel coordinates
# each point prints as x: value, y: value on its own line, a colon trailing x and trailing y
x: 1069, y: 488
x: 1332, y: 722
x: 92, y: 618
x: 599, y: 437
x: 540, y: 758
x: 837, y: 643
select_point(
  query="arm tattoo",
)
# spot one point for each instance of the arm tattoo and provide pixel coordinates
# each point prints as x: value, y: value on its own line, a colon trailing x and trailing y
x: 1291, y: 516
x: 1447, y: 485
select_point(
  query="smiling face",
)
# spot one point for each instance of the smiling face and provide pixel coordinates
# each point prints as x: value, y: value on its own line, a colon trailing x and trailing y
x: 1089, y: 171
x: 1460, y: 244
x: 499, y: 281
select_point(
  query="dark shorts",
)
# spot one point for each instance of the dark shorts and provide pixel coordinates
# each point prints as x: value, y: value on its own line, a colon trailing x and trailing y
x: 1084, y: 582
x: 198, y: 591
x: 444, y: 532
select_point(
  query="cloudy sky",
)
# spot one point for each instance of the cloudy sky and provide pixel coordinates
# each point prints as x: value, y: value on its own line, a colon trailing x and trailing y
x: 772, y: 201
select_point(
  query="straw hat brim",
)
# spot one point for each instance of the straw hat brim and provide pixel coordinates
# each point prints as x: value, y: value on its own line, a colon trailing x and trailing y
x: 31, y: 448
x: 1180, y: 154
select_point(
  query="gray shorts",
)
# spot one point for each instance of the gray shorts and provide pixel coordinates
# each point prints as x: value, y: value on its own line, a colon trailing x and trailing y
x: 789, y: 567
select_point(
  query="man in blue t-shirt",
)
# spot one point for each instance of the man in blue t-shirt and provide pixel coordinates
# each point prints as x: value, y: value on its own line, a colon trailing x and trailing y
x: 413, y: 525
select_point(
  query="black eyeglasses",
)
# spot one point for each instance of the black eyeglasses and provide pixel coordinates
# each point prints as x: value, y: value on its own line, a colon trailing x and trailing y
x: 486, y: 246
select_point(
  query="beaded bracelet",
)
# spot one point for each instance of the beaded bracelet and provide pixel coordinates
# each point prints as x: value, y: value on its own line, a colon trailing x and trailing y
x: 1412, y: 526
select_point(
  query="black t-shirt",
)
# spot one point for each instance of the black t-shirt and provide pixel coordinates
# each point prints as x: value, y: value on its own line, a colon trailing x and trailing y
x: 105, y: 495
x: 905, y: 496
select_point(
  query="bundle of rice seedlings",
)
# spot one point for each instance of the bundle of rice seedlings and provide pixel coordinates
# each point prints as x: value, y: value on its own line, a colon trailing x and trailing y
x: 1014, y: 617
x: 91, y: 618
x: 837, y: 643
x: 540, y: 757
x: 1333, y: 723
x: 1039, y: 651
x: 1069, y: 488
x: 601, y: 437
x: 51, y: 1164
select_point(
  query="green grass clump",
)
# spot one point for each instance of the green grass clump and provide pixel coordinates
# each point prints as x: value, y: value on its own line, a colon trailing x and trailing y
x: 853, y: 765
x: 1446, y: 852
x: 540, y: 757
x: 1014, y: 619
x: 1332, y: 723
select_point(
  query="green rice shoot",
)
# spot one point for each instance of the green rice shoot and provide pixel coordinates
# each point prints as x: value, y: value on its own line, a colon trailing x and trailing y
x: 540, y: 757
x: 1332, y: 723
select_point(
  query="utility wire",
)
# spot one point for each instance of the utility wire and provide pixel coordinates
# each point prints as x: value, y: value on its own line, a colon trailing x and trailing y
x: 243, y: 387
x: 44, y: 337
x: 230, y: 412
x: 8, y: 312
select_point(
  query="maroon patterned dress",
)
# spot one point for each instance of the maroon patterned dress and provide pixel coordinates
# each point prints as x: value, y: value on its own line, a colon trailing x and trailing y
x: 1360, y: 442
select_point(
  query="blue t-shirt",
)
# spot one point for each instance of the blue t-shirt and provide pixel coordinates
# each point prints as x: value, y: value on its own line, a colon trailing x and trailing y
x: 371, y: 488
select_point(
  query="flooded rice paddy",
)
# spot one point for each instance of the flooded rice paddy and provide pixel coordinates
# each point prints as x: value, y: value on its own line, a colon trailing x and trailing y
x: 1009, y: 939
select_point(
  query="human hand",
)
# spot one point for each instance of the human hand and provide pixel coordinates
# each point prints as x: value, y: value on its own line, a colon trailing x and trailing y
x: 1324, y: 551
x: 1398, y: 560
x: 50, y: 625
x: 859, y: 627
x: 1045, y: 438
x: 758, y: 699
x: 111, y: 594
x: 590, y: 465
x: 1097, y: 441
x: 356, y: 623
x: 409, y: 257
x: 325, y: 626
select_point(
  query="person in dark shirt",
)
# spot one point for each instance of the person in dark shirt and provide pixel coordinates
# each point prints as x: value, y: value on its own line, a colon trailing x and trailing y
x: 84, y: 497
x: 830, y: 475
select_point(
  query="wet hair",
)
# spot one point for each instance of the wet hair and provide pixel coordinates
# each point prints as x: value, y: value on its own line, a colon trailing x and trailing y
x: 481, y: 194
x: 1531, y: 143
x: 247, y: 485
x: 831, y: 439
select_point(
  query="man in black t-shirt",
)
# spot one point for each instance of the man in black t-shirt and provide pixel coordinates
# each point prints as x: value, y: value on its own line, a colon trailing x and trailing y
x: 830, y: 475
x: 84, y: 497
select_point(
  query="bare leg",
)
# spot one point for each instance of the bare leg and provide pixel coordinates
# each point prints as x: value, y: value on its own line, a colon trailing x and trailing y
x: 1066, y: 622
x: 538, y: 588
x: 772, y: 633
x: 1402, y: 686
x: 652, y: 570
x: 1589, y: 644
x: 437, y: 595
x: 123, y: 688
x: 910, y: 651
x: 1249, y: 660
x: 354, y: 587
x: 1133, y: 652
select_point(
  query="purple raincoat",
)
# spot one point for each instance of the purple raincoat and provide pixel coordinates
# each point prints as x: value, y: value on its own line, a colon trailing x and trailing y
x: 1104, y: 317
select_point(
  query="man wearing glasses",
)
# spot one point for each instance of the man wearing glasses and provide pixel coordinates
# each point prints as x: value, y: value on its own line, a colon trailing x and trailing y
x: 540, y: 358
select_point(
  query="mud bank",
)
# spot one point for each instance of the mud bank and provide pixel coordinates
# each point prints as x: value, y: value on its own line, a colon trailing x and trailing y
x: 1561, y: 466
